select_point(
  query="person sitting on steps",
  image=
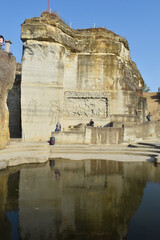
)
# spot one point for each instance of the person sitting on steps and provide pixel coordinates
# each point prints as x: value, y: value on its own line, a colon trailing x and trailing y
x: 58, y: 127
x: 91, y: 123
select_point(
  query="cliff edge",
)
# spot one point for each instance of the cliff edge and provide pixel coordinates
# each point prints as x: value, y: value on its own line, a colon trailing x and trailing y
x: 82, y: 74
x: 100, y: 42
x: 7, y: 75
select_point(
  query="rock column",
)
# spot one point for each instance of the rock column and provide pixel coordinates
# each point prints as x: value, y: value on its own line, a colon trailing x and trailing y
x: 7, y: 74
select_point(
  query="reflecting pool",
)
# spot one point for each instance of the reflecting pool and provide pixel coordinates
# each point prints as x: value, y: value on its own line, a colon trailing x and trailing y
x: 91, y: 199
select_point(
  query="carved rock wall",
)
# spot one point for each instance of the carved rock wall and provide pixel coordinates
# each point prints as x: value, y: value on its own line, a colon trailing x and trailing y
x: 7, y: 74
x: 72, y: 76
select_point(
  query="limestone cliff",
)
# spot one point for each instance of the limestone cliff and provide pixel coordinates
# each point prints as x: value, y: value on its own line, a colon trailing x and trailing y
x: 105, y: 50
x: 81, y: 74
x: 153, y: 104
x: 7, y: 71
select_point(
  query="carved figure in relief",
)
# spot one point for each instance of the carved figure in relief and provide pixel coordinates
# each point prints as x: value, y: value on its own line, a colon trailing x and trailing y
x: 55, y: 111
x: 85, y: 107
x: 81, y: 111
x: 86, y: 104
x: 70, y: 109
x: 31, y: 110
x: 101, y: 108
x: 97, y: 107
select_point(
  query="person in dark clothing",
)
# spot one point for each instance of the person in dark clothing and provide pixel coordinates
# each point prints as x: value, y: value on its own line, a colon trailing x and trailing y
x: 1, y: 41
x: 58, y: 127
x: 149, y: 116
x: 91, y: 123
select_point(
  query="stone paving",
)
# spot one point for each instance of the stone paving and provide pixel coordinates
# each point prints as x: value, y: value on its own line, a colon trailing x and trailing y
x: 18, y: 153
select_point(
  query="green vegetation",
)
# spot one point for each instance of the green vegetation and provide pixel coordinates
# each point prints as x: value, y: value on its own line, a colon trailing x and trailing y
x: 146, y: 88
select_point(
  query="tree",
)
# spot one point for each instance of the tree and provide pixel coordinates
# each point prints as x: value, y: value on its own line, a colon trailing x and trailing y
x: 146, y: 88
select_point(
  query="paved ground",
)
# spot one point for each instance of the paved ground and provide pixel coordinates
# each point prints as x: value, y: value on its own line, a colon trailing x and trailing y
x: 17, y: 152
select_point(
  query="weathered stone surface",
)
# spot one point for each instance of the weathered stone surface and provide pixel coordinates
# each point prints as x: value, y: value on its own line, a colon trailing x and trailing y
x: 153, y: 104
x: 73, y: 75
x: 7, y: 74
x: 144, y: 131
x: 129, y: 133
x: 3, y: 165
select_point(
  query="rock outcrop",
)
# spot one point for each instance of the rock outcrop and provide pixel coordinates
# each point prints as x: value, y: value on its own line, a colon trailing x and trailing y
x: 72, y: 76
x: 153, y: 104
x: 7, y: 74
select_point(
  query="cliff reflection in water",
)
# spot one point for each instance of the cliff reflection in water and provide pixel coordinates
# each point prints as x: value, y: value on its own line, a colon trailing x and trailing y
x: 72, y: 199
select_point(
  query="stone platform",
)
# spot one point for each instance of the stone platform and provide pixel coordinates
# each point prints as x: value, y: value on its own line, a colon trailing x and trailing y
x: 18, y: 153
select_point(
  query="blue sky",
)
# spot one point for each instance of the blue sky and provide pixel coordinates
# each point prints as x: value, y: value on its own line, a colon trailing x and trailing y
x: 136, y: 20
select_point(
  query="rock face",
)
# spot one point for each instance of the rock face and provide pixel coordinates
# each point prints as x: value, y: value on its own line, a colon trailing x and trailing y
x: 7, y: 72
x: 72, y: 76
x: 153, y: 104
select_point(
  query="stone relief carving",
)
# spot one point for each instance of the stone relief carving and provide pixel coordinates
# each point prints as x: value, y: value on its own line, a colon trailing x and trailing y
x: 31, y: 110
x: 70, y: 94
x: 55, y: 111
x: 86, y: 105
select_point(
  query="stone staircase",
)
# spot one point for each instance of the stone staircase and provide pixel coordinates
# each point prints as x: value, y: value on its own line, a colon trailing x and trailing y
x: 18, y: 152
x: 133, y: 152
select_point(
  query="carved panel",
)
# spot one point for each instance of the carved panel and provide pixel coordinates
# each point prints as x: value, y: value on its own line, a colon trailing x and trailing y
x: 86, y: 105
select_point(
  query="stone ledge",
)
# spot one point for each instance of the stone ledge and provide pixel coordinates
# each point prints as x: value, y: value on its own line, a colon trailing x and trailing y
x: 3, y: 165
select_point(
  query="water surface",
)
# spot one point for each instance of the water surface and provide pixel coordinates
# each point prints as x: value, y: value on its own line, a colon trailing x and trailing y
x: 91, y: 199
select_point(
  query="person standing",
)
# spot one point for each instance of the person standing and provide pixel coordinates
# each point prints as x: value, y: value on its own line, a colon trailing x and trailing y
x: 1, y: 41
x: 149, y: 116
